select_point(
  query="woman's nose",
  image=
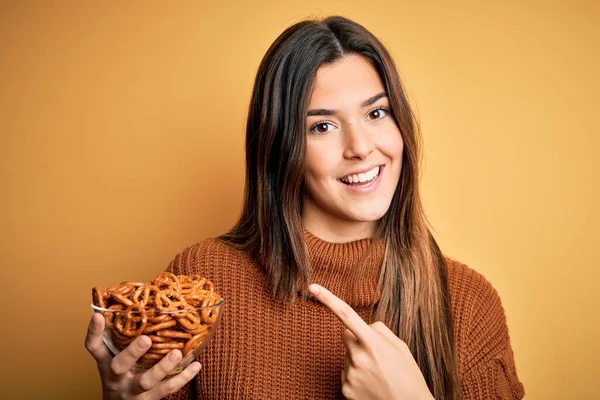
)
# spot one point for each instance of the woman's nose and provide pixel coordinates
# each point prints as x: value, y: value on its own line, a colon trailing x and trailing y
x: 359, y: 142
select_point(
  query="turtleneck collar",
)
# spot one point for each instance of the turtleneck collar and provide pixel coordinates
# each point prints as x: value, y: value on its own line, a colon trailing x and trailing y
x: 349, y: 270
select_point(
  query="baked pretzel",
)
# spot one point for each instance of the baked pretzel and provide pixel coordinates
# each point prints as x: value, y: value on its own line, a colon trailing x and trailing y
x: 175, y: 311
x: 132, y: 321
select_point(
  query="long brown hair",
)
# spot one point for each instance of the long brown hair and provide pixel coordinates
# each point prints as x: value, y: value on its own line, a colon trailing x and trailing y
x: 414, y: 293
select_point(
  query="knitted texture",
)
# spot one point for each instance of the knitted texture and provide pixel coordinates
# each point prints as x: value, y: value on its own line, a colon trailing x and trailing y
x: 266, y: 350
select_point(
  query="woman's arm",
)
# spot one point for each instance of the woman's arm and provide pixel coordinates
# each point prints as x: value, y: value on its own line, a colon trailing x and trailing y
x: 489, y: 368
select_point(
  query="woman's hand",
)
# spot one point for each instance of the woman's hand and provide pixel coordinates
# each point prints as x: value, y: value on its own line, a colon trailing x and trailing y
x: 119, y: 383
x: 378, y: 364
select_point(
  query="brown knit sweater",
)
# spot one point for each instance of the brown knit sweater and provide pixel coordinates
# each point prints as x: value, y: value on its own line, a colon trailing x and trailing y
x: 264, y: 350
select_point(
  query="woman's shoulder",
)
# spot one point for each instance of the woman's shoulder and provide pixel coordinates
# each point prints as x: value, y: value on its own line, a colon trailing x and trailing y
x: 205, y: 255
x: 466, y: 284
x: 473, y: 297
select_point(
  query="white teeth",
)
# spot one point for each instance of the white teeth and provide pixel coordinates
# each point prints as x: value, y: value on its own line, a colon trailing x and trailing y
x: 362, y: 177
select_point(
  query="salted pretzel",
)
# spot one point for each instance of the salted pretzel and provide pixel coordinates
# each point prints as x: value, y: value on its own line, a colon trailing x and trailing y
x: 132, y: 321
x: 174, y: 311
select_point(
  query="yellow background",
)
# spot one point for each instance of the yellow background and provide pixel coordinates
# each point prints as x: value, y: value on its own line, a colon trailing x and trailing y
x: 122, y: 129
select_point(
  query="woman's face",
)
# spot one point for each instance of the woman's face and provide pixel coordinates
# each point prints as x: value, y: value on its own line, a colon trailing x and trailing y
x: 354, y: 151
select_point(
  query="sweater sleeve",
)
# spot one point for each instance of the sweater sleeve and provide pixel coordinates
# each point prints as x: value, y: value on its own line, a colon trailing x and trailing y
x: 183, y: 264
x: 489, y: 366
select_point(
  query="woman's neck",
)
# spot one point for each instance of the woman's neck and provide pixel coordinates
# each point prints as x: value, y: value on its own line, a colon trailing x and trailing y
x: 350, y: 270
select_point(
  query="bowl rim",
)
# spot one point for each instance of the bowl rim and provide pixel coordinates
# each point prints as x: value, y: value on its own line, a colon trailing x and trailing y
x: 219, y: 304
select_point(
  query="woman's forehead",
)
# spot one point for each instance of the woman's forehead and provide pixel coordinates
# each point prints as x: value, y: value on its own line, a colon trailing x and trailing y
x: 345, y: 83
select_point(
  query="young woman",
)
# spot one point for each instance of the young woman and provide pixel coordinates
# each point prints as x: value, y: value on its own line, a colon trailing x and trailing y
x: 334, y: 285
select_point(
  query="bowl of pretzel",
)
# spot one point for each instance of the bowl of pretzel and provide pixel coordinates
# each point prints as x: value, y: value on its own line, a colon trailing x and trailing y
x: 175, y: 311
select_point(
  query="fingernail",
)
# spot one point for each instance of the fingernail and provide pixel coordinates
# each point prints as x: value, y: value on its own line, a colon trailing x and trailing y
x: 314, y: 289
x: 144, y: 342
x: 173, y: 356
x: 195, y: 367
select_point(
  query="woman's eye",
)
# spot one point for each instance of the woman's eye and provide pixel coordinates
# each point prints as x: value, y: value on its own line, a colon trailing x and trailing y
x: 378, y: 113
x: 321, y: 127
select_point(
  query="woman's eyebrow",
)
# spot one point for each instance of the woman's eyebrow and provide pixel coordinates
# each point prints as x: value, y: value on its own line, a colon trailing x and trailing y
x: 364, y: 104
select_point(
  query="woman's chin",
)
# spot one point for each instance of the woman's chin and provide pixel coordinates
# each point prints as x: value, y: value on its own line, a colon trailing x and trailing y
x: 367, y: 215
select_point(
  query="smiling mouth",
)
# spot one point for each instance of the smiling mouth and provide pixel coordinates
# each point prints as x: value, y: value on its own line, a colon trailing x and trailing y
x: 361, y: 179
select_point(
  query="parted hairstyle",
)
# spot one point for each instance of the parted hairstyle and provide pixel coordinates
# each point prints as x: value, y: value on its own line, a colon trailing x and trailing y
x: 414, y: 290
